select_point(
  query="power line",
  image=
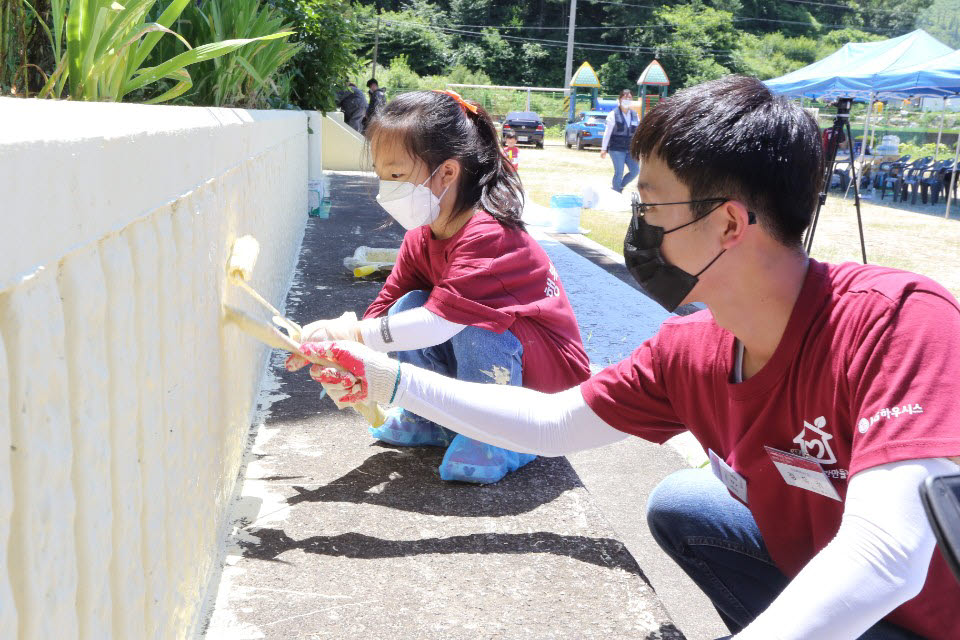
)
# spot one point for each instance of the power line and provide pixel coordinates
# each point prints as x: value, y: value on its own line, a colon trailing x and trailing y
x: 589, y: 46
x: 811, y: 2
x: 844, y: 6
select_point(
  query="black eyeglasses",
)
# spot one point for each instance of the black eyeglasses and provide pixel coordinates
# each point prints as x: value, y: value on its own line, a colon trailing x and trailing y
x: 640, y: 208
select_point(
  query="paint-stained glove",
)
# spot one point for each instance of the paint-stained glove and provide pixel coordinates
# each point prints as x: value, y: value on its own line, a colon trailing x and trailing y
x: 346, y: 327
x: 361, y: 375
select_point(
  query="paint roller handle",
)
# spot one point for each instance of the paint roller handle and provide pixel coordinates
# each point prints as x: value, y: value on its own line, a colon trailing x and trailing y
x: 372, y: 413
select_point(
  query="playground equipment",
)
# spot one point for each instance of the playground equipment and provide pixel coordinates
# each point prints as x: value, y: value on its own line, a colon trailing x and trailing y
x: 653, y: 76
x: 585, y: 77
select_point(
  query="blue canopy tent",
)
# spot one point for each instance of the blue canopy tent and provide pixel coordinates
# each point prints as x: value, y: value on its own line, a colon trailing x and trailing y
x: 854, y: 68
x: 937, y: 77
x: 898, y: 67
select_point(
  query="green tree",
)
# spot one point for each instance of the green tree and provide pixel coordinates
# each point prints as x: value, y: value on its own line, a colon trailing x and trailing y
x: 942, y: 21
x: 411, y: 32
x: 329, y: 33
x: 696, y: 46
x: 773, y: 54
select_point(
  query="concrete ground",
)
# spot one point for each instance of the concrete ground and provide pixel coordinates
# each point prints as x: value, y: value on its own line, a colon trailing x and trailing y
x: 338, y: 536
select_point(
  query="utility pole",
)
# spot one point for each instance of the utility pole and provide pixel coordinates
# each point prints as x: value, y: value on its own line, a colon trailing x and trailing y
x: 376, y: 43
x: 570, y: 30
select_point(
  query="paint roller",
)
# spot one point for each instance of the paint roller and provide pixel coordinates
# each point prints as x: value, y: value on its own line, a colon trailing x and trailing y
x: 243, y: 257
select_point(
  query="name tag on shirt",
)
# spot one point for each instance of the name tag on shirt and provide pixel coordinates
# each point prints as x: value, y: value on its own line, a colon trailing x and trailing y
x: 735, y: 482
x: 806, y: 473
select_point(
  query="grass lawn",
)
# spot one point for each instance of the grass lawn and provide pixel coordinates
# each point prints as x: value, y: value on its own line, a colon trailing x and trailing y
x: 916, y: 238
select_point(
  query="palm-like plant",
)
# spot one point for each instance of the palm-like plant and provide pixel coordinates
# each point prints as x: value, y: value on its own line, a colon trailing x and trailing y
x: 108, y: 43
x: 242, y: 78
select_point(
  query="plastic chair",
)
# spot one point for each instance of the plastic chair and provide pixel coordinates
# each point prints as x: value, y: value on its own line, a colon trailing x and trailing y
x: 883, y: 169
x: 940, y: 182
x: 890, y: 175
x: 911, y: 178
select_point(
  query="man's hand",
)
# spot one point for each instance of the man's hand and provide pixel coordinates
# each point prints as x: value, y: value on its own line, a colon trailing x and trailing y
x: 350, y: 372
x: 603, y: 154
x: 346, y: 327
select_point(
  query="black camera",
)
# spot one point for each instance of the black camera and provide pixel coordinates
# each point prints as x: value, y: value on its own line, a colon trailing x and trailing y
x: 843, y: 105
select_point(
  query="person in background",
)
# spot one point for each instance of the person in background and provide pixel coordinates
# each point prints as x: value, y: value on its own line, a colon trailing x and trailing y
x: 510, y: 148
x: 824, y: 394
x: 622, y: 123
x: 472, y: 295
x: 353, y: 105
x: 378, y: 100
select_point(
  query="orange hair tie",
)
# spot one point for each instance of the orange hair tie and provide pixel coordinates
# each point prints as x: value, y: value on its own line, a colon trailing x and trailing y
x: 456, y: 96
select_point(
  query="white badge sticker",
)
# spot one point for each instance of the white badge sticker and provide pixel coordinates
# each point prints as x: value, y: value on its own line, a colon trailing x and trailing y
x: 806, y: 473
x: 735, y: 482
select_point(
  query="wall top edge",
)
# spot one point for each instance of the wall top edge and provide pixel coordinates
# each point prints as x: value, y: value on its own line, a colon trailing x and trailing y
x: 32, y: 120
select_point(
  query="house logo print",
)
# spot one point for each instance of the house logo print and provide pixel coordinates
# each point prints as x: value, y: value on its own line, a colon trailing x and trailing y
x: 814, y: 442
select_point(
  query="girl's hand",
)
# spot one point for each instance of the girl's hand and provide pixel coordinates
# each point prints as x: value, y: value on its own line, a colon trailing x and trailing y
x: 346, y: 327
x: 358, y: 375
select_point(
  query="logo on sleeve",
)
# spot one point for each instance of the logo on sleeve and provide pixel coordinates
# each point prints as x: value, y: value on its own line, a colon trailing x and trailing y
x: 552, y: 289
x: 814, y: 442
x: 886, y: 414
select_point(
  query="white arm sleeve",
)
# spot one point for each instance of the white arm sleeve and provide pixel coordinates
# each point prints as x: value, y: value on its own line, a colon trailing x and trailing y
x: 412, y: 329
x: 514, y: 418
x: 608, y: 129
x: 877, y: 561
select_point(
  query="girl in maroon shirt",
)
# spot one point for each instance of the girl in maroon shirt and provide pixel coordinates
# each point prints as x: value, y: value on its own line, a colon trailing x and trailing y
x: 472, y: 295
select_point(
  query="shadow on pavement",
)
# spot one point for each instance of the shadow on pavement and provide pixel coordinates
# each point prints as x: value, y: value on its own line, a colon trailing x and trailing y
x: 602, y: 552
x: 407, y: 480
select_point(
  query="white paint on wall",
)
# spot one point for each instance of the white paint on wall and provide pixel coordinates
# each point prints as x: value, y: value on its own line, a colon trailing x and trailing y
x: 8, y: 613
x: 126, y: 568
x: 42, y: 552
x: 83, y: 291
x: 129, y: 404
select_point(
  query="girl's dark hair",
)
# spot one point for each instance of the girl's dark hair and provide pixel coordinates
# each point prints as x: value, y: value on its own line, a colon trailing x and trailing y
x: 733, y: 138
x: 433, y: 127
x: 625, y: 92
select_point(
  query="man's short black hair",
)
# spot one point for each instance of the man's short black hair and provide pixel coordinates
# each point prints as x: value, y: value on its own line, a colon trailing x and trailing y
x: 733, y: 137
x: 372, y: 81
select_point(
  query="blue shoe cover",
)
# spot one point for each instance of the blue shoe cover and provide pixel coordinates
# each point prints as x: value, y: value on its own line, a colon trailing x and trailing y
x: 408, y: 430
x: 468, y: 460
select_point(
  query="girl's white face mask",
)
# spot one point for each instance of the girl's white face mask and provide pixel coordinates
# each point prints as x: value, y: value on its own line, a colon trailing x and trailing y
x: 412, y: 205
x: 626, y: 103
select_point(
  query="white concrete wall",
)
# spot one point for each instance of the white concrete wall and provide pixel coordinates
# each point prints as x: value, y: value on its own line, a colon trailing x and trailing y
x: 124, y: 401
x: 344, y: 149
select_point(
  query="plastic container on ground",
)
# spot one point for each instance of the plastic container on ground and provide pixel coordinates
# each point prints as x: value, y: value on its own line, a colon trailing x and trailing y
x: 318, y: 199
x: 566, y: 212
x: 377, y: 257
x: 889, y: 146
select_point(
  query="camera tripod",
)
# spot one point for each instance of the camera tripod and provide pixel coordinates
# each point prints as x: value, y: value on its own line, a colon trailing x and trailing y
x: 841, y: 127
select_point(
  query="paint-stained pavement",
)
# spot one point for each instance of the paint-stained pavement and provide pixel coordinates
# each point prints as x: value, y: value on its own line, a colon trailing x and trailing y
x: 338, y: 536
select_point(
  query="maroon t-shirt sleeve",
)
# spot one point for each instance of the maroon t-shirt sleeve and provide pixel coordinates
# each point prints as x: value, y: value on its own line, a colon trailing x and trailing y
x: 631, y: 396
x: 905, y: 381
x: 470, y: 284
x: 403, y: 278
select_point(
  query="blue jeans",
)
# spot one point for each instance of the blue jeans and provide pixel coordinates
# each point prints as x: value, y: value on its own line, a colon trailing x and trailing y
x: 715, y: 540
x: 619, y: 158
x: 473, y: 355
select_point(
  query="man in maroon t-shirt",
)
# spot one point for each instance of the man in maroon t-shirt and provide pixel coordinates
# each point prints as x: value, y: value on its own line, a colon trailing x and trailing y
x: 824, y: 394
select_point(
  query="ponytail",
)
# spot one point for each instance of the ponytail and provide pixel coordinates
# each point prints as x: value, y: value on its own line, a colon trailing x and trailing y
x: 436, y: 126
x: 501, y: 191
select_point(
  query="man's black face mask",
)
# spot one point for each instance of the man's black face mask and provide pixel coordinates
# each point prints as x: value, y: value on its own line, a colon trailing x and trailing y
x: 667, y: 284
